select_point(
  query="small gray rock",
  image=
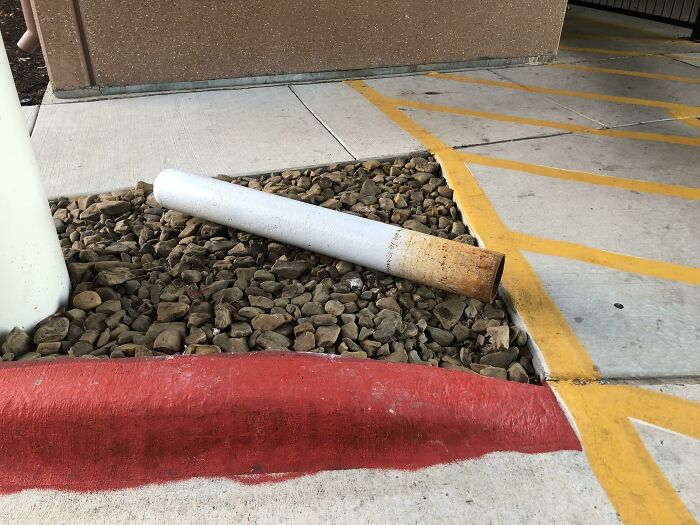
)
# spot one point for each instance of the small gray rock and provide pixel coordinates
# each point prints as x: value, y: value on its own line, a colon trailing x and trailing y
x: 268, y: 322
x: 441, y: 337
x: 326, y: 336
x: 304, y: 342
x: 516, y: 372
x: 449, y: 312
x: 55, y: 329
x: 416, y: 226
x: 500, y: 359
x: 289, y: 269
x: 171, y: 311
x: 169, y: 342
x: 17, y: 342
x: 273, y: 341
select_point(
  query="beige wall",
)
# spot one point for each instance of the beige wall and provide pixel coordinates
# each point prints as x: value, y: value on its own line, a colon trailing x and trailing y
x: 130, y: 42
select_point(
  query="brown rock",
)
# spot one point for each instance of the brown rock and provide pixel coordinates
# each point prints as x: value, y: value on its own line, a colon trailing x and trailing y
x: 17, y: 342
x: 171, y: 311
x: 168, y: 341
x: 87, y: 300
x: 55, y: 329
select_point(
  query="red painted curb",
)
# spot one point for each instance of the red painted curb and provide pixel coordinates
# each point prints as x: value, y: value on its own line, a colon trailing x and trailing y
x: 95, y: 425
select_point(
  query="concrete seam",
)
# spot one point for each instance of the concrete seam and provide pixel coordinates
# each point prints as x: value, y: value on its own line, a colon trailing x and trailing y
x: 553, y: 101
x: 34, y: 119
x: 318, y: 119
x: 508, y: 141
x: 83, y: 41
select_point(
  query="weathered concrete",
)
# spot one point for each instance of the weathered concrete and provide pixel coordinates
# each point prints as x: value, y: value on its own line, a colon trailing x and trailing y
x: 91, y: 147
x: 611, y: 113
x: 498, y: 488
x: 621, y: 157
x: 654, y: 335
x: 355, y: 122
x: 458, y: 130
x: 618, y: 220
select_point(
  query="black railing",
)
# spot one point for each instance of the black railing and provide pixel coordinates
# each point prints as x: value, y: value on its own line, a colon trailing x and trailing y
x: 684, y: 13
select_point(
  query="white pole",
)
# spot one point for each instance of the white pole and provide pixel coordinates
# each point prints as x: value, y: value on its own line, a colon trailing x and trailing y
x: 438, y: 262
x: 34, y: 281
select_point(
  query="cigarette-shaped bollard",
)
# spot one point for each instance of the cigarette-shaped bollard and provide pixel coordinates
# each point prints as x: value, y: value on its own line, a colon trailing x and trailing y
x: 434, y: 261
x: 33, y: 277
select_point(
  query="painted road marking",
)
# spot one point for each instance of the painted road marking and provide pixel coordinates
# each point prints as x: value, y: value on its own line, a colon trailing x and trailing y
x: 626, y: 72
x: 572, y: 128
x: 632, y: 479
x: 541, y: 315
x: 657, y: 188
x: 628, y: 473
x: 616, y: 261
x: 588, y: 95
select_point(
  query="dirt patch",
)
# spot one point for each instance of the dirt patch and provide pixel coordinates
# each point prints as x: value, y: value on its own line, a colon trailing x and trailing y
x: 148, y: 281
x: 28, y: 69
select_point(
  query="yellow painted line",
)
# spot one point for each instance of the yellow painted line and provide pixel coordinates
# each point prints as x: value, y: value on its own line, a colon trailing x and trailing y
x: 573, y: 128
x: 630, y: 476
x: 616, y: 261
x: 599, y: 51
x: 587, y: 95
x: 565, y: 356
x: 693, y: 122
x: 633, y: 481
x: 656, y: 188
x: 628, y: 73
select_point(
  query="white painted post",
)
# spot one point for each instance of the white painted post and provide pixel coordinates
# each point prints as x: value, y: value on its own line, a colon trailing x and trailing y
x: 34, y: 281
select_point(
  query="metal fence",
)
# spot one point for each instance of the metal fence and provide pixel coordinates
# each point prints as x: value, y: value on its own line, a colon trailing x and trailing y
x: 685, y: 13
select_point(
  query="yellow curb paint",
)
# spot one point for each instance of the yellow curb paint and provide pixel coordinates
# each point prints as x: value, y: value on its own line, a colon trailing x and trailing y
x: 657, y: 188
x: 572, y: 128
x: 587, y: 95
x: 626, y: 72
x: 630, y: 476
x: 599, y: 51
x: 633, y: 481
x: 565, y: 356
x: 616, y: 261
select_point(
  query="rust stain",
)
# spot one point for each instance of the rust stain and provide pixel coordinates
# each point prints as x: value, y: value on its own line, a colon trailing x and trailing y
x: 448, y: 265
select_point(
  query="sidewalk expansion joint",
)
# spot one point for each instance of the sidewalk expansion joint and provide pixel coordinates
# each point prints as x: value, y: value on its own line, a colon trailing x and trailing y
x: 336, y: 137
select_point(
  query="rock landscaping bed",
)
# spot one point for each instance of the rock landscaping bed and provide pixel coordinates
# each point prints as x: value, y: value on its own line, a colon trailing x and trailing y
x: 153, y: 282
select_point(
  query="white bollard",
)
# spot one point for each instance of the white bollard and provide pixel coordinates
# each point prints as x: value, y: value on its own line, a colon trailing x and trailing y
x: 34, y: 280
x: 434, y: 261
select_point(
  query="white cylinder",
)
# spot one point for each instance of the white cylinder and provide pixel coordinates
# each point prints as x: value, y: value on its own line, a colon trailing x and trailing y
x: 448, y: 265
x: 34, y: 281
x: 321, y: 230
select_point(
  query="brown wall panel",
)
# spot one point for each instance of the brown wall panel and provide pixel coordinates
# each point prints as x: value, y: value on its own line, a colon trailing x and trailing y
x: 140, y: 42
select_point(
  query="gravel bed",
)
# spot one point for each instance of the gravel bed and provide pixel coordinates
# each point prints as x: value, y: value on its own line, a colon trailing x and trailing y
x: 154, y: 282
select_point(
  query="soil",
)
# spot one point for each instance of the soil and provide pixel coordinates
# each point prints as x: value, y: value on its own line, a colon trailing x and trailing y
x: 28, y: 69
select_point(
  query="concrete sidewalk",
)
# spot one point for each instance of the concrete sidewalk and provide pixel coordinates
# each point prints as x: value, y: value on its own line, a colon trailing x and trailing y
x: 588, y: 172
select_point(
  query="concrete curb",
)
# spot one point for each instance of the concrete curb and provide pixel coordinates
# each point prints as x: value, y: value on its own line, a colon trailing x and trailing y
x: 94, y: 425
